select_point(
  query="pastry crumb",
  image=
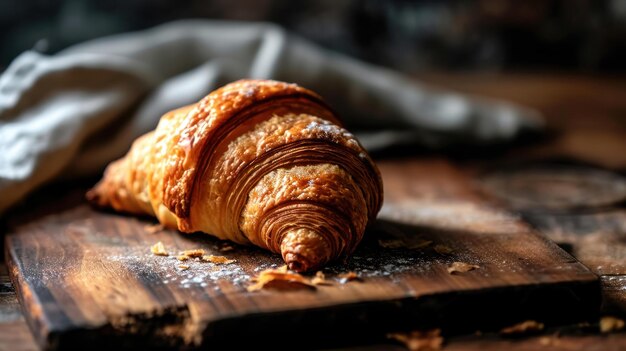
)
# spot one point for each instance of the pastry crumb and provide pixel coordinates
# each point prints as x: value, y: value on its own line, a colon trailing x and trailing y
x: 217, y: 259
x: 442, y: 249
x: 461, y: 267
x: 419, y: 244
x: 192, y: 253
x: 522, y: 328
x: 391, y: 243
x: 429, y: 340
x: 277, y: 279
x: 183, y: 267
x: 158, y: 249
x: 153, y: 228
x: 226, y: 248
x: 347, y: 277
x: 320, y: 279
x: 610, y: 324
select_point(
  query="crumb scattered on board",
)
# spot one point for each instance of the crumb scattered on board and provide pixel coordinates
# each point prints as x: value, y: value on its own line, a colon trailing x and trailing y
x: 610, y: 324
x: 217, y: 259
x: 347, y: 277
x: 461, y: 267
x: 522, y: 328
x: 442, y: 249
x: 276, y: 278
x: 192, y: 253
x: 280, y: 279
x: 159, y: 249
x: 419, y: 340
x: 366, y: 266
x: 320, y: 279
x: 226, y: 248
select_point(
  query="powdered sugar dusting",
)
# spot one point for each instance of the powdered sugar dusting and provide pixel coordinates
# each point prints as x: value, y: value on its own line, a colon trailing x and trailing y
x: 328, y: 129
x: 167, y: 269
x: 369, y: 261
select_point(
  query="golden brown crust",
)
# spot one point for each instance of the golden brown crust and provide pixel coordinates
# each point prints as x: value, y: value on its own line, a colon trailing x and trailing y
x: 123, y: 185
x: 259, y: 162
x: 210, y: 118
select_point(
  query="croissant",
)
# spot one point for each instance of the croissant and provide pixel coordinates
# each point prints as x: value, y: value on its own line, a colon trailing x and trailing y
x: 255, y: 162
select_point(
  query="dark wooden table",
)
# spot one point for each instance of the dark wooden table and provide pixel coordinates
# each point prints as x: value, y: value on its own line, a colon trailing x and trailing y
x: 568, y: 185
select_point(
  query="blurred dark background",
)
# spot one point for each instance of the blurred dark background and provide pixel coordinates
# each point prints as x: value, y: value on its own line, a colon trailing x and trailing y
x: 411, y: 36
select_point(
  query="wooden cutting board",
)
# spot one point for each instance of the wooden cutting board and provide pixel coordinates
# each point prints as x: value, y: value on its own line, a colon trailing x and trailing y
x: 87, y: 278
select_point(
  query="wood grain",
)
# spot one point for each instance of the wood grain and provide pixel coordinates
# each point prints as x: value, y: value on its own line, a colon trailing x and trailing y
x: 14, y: 333
x: 87, y: 277
x: 597, y: 239
x: 585, y: 117
x: 577, y: 206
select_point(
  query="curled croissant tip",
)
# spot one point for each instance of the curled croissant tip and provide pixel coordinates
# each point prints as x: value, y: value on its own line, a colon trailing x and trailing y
x: 94, y: 197
x: 304, y: 250
x: 296, y: 263
x: 91, y: 196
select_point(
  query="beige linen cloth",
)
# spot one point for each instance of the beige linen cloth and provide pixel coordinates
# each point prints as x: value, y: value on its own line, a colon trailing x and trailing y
x: 71, y: 113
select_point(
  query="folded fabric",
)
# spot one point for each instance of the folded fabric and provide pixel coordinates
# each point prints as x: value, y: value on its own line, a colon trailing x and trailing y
x: 71, y: 113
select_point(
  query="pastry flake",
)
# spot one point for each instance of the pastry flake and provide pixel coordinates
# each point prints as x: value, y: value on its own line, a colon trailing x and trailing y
x: 158, y: 249
x: 279, y: 280
x: 320, y: 279
x: 610, y: 324
x: 442, y: 249
x: 226, y: 248
x: 461, y: 267
x: 430, y: 340
x: 217, y: 259
x: 523, y: 328
x: 192, y: 253
x: 348, y: 277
